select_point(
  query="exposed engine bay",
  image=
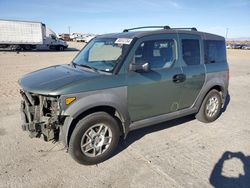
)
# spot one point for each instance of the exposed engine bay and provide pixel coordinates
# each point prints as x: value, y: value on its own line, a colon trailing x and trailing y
x: 41, y: 115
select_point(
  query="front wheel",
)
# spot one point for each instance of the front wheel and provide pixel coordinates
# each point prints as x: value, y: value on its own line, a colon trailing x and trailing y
x: 210, y: 109
x: 94, y: 138
x: 60, y: 48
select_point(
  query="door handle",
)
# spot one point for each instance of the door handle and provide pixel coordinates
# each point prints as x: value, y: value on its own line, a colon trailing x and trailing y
x: 178, y: 78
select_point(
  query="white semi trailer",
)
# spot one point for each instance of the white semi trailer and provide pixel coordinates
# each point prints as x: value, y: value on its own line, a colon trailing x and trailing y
x: 27, y: 35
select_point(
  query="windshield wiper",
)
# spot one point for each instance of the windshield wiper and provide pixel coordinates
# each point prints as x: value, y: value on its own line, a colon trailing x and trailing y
x: 73, y: 64
x: 87, y: 66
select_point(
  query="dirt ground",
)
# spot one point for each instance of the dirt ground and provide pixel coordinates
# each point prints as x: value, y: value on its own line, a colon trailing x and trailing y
x: 179, y: 153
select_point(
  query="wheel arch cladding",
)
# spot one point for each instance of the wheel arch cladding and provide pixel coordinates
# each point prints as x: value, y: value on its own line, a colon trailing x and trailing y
x: 206, y: 90
x: 108, y: 109
x: 111, y: 101
x: 214, y: 80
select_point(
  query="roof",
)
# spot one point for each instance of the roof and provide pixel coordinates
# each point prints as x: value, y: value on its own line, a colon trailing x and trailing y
x: 139, y: 34
x: 20, y: 21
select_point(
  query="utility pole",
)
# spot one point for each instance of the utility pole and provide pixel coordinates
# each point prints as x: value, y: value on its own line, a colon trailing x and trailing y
x: 227, y: 32
x: 69, y: 29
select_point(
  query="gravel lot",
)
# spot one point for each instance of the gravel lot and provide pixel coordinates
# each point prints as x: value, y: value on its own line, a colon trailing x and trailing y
x: 179, y: 153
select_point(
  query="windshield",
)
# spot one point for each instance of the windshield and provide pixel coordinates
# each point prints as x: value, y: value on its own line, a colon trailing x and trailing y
x: 102, y: 54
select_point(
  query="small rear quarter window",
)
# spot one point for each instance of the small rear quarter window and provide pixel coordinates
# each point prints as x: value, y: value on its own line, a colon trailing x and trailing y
x: 215, y: 51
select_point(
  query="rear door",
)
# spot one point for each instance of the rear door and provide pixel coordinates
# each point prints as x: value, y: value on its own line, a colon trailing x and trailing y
x: 193, y: 68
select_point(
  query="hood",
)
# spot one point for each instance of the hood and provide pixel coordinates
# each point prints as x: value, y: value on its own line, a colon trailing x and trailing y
x: 48, y: 80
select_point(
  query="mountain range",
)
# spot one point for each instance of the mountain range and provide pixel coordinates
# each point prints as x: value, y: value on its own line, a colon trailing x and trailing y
x: 239, y: 39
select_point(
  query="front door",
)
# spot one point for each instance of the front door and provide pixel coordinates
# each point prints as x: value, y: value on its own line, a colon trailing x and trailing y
x: 157, y: 91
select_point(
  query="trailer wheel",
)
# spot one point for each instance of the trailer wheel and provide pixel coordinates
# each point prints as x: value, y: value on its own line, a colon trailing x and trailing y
x: 27, y: 47
x: 15, y: 47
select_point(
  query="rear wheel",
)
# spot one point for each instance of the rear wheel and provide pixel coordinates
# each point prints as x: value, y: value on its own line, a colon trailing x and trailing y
x: 27, y: 47
x: 210, y: 109
x: 94, y: 138
x: 60, y: 48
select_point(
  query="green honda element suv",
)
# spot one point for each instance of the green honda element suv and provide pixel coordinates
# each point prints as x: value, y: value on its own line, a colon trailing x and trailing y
x: 120, y: 82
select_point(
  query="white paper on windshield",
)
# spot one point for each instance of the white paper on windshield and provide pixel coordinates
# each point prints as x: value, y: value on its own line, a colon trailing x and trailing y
x: 123, y: 41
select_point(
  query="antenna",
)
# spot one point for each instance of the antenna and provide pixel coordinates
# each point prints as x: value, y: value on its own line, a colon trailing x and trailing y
x: 227, y: 32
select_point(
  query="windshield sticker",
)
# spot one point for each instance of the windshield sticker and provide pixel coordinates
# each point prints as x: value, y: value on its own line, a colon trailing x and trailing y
x: 123, y: 41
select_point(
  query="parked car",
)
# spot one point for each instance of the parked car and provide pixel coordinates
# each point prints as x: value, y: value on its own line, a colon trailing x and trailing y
x: 80, y: 39
x: 125, y: 81
x: 229, y: 46
x: 84, y: 38
x: 87, y: 38
x: 237, y: 46
x: 246, y: 47
x: 74, y: 36
x: 64, y: 37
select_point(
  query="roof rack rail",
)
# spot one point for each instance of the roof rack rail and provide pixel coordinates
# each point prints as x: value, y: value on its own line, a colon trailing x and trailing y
x: 188, y: 28
x: 146, y: 27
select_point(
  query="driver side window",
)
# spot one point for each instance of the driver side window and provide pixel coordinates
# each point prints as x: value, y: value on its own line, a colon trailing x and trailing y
x: 158, y: 53
x: 53, y: 37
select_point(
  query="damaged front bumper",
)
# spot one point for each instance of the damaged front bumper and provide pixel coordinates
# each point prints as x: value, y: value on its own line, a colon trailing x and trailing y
x: 41, y: 115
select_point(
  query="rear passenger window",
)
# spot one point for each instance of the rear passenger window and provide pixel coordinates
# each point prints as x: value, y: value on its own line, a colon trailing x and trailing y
x: 215, y: 51
x: 191, y: 51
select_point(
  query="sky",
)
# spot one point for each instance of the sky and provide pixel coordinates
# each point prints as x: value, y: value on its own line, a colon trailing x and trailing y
x: 105, y: 16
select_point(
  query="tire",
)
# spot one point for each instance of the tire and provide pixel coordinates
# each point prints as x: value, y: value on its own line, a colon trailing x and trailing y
x: 27, y: 47
x: 209, y: 113
x: 86, y: 133
x: 15, y: 47
x: 60, y: 48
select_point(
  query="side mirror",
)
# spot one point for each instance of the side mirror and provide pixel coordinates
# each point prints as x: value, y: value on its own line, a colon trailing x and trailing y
x: 145, y: 67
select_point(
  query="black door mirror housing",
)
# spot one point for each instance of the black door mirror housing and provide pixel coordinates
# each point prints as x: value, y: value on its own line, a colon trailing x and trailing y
x: 143, y: 67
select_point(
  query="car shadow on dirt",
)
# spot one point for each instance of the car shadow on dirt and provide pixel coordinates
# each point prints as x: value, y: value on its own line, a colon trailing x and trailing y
x: 227, y: 101
x: 138, y: 134
x: 218, y: 180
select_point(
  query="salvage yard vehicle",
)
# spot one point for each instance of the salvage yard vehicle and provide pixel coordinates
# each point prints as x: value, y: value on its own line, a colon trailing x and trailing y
x: 237, y: 46
x: 27, y: 35
x: 88, y: 38
x: 246, y: 47
x: 125, y: 81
